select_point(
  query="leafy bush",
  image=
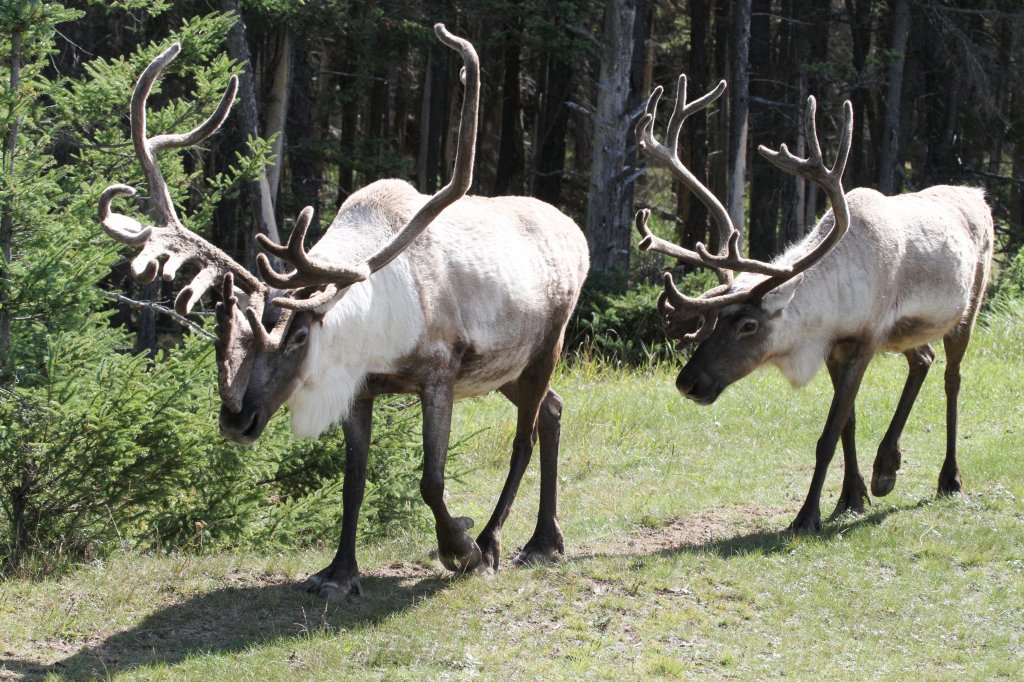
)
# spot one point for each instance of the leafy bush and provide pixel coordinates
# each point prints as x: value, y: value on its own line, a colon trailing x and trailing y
x: 1008, y: 283
x: 624, y: 327
x: 115, y: 449
x: 98, y: 446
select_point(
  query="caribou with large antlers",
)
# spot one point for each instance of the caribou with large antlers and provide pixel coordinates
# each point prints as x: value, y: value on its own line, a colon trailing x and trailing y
x: 877, y: 273
x: 381, y: 304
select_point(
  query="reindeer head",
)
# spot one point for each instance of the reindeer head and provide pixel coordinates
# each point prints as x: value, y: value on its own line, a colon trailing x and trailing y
x: 263, y: 323
x: 733, y: 321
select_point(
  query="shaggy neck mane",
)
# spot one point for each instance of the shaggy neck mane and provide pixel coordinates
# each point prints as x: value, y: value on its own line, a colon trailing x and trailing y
x: 368, y: 329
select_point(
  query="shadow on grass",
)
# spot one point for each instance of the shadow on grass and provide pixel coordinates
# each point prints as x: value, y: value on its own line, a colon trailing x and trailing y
x: 769, y: 542
x: 733, y: 538
x: 229, y: 620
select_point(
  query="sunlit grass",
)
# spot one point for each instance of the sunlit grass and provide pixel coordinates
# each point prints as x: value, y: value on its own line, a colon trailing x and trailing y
x: 917, y: 588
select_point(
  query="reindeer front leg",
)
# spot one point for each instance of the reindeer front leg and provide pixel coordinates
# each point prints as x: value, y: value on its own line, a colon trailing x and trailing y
x: 457, y: 551
x: 808, y: 520
x: 341, y: 577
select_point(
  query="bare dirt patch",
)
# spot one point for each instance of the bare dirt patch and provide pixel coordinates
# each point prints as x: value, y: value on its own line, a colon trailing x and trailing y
x: 694, y: 531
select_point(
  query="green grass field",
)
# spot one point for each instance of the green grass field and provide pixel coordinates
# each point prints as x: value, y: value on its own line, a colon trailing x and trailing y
x: 676, y: 564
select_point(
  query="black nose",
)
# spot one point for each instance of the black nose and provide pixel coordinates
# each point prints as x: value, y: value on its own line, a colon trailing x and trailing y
x: 697, y: 386
x: 241, y: 427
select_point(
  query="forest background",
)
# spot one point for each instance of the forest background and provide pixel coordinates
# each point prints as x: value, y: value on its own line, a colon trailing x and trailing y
x: 106, y: 431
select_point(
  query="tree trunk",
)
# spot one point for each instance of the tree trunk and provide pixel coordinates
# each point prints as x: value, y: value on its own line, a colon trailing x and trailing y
x: 766, y: 182
x: 692, y: 214
x: 277, y: 113
x: 303, y: 155
x: 433, y: 119
x: 552, y: 125
x: 859, y: 12
x: 248, y: 116
x: 508, y: 176
x: 739, y: 104
x: 894, y: 93
x: 608, y: 217
x: 7, y: 211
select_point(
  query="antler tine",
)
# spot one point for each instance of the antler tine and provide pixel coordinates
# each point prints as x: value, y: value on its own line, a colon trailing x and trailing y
x: 650, y: 242
x: 668, y: 155
x: 308, y: 271
x: 707, y: 306
x: 169, y: 241
x: 829, y: 179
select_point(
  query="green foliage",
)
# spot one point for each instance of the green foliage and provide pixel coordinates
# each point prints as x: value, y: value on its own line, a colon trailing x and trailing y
x: 624, y: 327
x: 117, y: 449
x: 99, y: 447
x: 1008, y: 283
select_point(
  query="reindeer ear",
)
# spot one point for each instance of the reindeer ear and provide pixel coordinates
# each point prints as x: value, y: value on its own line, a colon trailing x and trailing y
x: 779, y: 297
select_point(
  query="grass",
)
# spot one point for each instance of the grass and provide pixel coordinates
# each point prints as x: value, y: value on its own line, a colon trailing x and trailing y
x: 676, y: 564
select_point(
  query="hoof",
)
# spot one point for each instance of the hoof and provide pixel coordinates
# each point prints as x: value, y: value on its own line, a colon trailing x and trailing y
x: 462, y: 523
x: 333, y: 590
x: 950, y: 485
x: 882, y: 484
x: 852, y: 499
x: 461, y: 563
x: 533, y: 557
x: 543, y: 548
x: 805, y: 525
x: 490, y: 554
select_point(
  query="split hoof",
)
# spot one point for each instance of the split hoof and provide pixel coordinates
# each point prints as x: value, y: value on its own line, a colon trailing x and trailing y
x: 882, y: 484
x: 805, y: 525
x: 333, y: 590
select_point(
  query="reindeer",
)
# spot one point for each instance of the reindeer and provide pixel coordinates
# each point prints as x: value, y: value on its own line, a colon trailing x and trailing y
x: 477, y: 303
x: 877, y: 273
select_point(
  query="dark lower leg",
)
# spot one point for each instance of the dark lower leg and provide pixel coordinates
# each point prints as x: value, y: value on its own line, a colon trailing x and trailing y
x: 341, y: 577
x: 949, y: 476
x: 854, y: 492
x: 547, y: 537
x: 808, y: 520
x: 456, y: 550
x: 527, y: 403
x: 889, y: 456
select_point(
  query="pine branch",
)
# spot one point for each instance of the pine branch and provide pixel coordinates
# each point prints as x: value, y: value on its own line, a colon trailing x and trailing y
x: 156, y: 307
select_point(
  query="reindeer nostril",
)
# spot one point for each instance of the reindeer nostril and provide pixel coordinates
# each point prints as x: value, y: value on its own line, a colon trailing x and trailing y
x: 252, y: 429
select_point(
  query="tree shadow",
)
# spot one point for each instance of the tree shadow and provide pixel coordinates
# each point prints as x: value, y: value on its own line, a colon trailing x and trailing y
x: 232, y: 619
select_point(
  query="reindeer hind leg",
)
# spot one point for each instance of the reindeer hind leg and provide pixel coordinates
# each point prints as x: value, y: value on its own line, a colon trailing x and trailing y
x: 955, y: 344
x: 889, y: 456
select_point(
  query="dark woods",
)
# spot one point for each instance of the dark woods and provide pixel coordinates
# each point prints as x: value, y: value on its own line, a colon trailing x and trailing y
x: 354, y: 91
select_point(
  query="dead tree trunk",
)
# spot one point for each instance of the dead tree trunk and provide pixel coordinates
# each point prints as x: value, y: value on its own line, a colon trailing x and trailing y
x: 739, y: 104
x: 894, y: 93
x: 692, y: 214
x: 7, y: 210
x: 248, y: 116
x: 609, y: 219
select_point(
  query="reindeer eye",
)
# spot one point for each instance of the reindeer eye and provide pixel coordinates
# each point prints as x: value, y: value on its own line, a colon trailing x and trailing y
x: 297, y: 340
x: 746, y: 328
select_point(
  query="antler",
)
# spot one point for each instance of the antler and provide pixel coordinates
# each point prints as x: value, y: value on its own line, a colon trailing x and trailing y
x: 170, y: 240
x: 668, y: 155
x: 310, y: 272
x: 829, y: 179
x: 729, y: 260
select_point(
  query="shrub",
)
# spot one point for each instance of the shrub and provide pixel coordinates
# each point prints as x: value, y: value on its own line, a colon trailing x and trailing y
x: 624, y: 326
